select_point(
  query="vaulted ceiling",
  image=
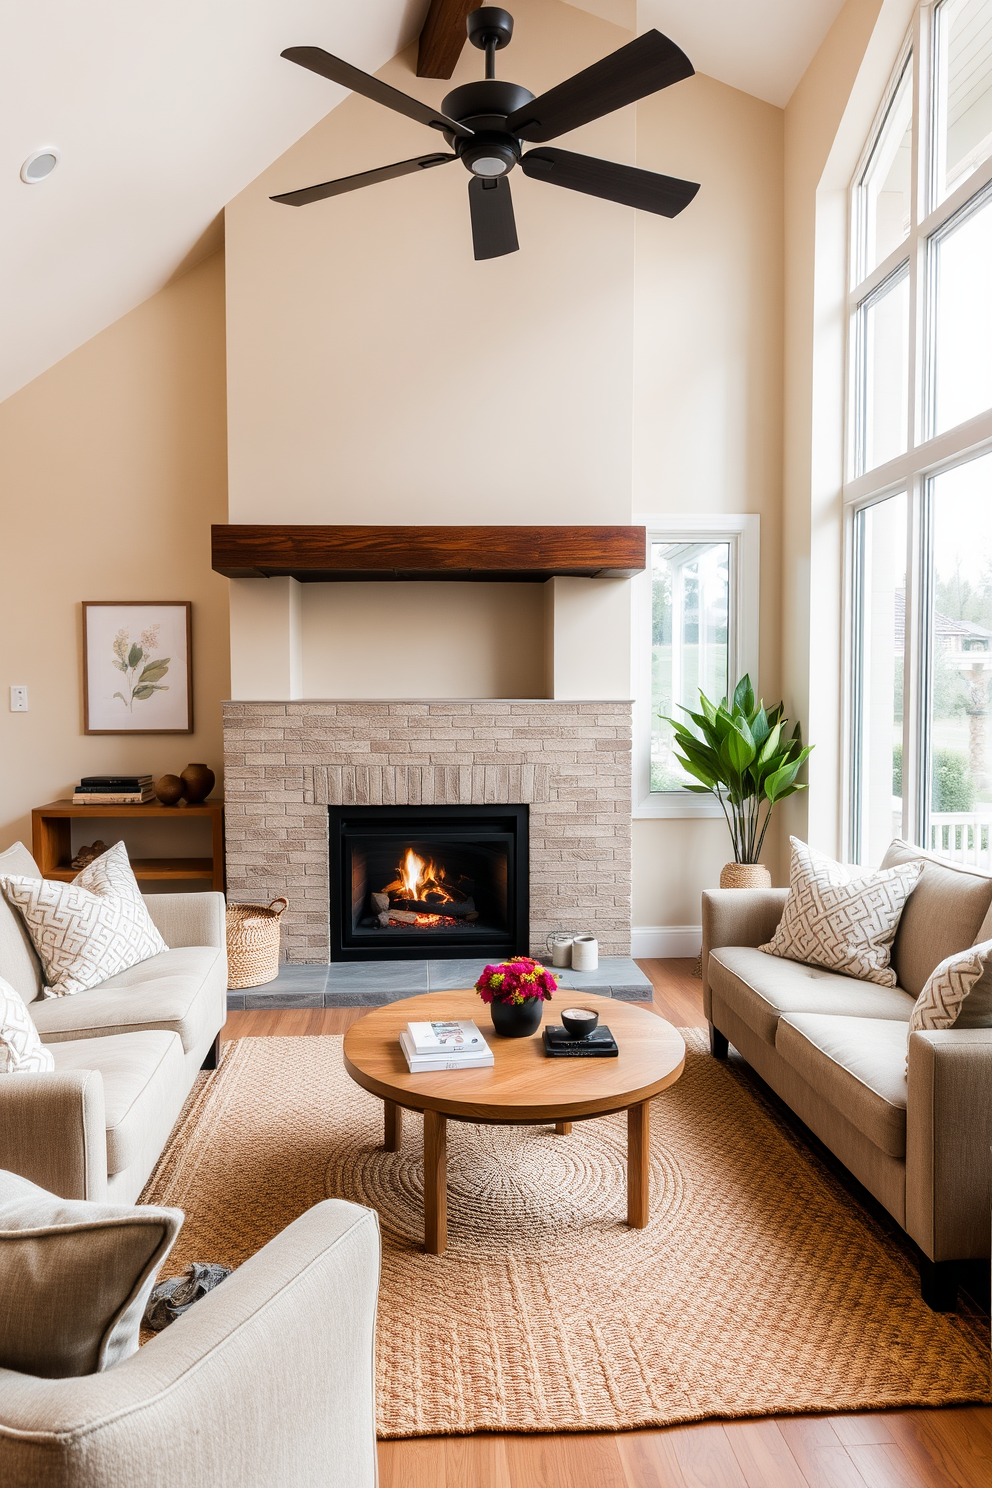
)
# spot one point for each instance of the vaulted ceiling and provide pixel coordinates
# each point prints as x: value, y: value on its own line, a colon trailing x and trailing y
x: 163, y: 113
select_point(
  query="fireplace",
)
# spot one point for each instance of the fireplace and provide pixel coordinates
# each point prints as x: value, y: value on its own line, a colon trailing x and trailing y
x: 409, y: 882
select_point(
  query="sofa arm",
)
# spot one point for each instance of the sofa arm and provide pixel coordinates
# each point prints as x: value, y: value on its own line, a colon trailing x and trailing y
x: 53, y: 1130
x: 267, y: 1380
x: 189, y: 919
x: 948, y: 1136
x: 738, y: 917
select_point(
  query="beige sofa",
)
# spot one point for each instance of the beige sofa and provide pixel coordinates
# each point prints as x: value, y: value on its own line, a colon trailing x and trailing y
x: 126, y: 1052
x: 265, y: 1383
x: 834, y: 1049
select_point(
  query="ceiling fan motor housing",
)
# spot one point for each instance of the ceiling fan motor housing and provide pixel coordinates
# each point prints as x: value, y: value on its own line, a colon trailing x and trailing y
x: 484, y: 107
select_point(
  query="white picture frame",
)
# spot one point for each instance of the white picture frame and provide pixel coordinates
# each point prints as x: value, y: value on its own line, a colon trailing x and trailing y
x: 137, y: 667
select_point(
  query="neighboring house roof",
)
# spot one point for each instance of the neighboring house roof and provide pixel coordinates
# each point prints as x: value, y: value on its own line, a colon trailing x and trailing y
x: 945, y: 629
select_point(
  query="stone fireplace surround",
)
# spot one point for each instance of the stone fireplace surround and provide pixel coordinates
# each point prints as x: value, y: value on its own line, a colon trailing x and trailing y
x: 570, y: 761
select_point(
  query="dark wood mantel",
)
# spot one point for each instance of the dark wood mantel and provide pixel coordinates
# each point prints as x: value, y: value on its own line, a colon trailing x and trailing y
x: 315, y: 554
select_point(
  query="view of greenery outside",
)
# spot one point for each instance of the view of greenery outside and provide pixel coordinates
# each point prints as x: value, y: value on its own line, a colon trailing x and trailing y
x: 690, y: 623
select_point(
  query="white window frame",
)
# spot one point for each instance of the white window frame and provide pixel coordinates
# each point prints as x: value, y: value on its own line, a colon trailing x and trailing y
x: 743, y: 533
x: 927, y: 454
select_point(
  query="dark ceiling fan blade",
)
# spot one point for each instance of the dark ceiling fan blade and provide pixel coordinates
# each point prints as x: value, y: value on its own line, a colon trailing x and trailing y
x: 666, y: 195
x: 366, y: 178
x: 494, y: 231
x: 644, y: 66
x: 338, y: 71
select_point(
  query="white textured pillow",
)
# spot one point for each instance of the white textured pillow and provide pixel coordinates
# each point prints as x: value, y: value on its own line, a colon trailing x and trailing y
x: 842, y: 917
x: 89, y: 930
x: 76, y: 1278
x: 959, y: 993
x: 21, y: 1050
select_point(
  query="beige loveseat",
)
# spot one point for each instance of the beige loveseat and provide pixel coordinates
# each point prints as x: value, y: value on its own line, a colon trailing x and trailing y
x: 265, y: 1383
x: 126, y: 1052
x: 834, y: 1049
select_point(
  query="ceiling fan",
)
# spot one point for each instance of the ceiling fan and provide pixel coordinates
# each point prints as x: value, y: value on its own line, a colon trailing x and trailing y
x: 487, y: 123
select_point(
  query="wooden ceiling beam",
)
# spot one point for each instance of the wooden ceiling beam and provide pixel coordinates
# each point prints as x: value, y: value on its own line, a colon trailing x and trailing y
x: 443, y: 37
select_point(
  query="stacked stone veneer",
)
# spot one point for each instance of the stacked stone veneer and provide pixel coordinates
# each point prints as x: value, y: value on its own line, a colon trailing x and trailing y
x: 285, y: 763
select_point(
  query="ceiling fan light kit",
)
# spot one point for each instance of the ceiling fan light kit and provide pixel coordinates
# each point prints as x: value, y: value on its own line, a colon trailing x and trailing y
x: 487, y: 123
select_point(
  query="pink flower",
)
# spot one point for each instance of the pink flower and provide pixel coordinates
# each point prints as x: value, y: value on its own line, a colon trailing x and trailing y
x: 516, y: 981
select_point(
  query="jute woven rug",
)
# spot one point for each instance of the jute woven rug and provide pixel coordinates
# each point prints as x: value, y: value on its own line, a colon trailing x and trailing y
x: 759, y: 1286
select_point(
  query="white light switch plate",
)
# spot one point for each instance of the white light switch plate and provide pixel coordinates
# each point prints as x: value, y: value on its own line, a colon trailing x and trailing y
x: 18, y: 700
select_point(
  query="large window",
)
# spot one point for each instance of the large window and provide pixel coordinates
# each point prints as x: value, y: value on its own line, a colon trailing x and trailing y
x: 697, y: 629
x: 919, y: 487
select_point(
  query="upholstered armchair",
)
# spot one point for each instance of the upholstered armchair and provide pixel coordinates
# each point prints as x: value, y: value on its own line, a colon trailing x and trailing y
x: 267, y: 1382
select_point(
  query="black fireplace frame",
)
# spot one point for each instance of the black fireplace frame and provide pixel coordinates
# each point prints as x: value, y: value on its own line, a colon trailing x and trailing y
x: 435, y: 945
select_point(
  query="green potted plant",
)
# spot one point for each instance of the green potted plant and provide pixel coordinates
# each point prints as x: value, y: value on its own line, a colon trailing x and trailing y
x: 740, y: 753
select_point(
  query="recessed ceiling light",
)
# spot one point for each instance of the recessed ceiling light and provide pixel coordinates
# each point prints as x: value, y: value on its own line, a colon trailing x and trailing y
x: 40, y: 164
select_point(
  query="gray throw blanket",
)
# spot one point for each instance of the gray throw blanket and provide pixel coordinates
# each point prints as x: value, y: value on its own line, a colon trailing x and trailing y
x: 176, y: 1295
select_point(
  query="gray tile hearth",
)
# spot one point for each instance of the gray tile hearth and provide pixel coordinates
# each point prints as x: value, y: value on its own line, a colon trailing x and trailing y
x: 375, y: 983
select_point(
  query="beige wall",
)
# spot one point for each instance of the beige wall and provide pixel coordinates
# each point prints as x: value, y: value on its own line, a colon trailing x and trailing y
x: 377, y: 373
x: 112, y: 467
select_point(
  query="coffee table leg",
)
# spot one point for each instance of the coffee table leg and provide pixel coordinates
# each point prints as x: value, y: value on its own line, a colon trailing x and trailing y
x: 435, y: 1183
x: 563, y: 1128
x: 638, y: 1157
x: 392, y: 1116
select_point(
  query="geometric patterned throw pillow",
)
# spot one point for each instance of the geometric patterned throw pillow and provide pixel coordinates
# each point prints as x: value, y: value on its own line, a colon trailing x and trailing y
x: 958, y: 994
x: 21, y: 1050
x: 840, y: 916
x: 89, y: 930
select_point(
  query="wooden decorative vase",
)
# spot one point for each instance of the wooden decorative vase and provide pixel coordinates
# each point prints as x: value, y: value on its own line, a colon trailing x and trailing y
x: 517, y: 1021
x: 745, y: 876
x: 198, y: 782
x: 169, y: 789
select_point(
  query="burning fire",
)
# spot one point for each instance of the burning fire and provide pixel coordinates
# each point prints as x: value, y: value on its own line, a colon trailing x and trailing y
x: 420, y: 881
x: 430, y: 921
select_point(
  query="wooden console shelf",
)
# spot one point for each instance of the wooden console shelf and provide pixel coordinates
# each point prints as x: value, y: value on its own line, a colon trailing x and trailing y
x: 51, y: 829
x: 316, y: 554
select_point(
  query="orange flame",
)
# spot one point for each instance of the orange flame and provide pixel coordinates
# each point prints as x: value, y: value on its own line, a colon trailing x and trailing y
x: 418, y: 880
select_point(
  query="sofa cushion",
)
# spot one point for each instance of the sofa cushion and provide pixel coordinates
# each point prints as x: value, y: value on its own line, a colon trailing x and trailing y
x: 959, y: 993
x: 18, y: 959
x: 21, y: 1050
x: 857, y: 1065
x: 182, y: 990
x: 90, y: 929
x: 841, y: 916
x: 760, y: 989
x: 76, y: 1277
x: 944, y: 914
x: 143, y: 1074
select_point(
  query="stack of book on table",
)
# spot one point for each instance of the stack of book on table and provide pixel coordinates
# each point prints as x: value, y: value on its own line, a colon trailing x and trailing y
x: 455, y: 1044
x: 113, y: 790
x: 560, y: 1044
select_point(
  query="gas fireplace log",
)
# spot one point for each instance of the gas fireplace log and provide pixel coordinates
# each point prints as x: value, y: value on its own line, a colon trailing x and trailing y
x: 380, y: 902
x: 458, y: 911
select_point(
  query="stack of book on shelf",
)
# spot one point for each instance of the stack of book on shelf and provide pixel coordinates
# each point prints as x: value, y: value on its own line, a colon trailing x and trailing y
x: 456, y: 1044
x: 113, y: 790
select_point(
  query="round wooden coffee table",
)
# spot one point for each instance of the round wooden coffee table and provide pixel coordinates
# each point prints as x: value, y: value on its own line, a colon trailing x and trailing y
x: 522, y: 1088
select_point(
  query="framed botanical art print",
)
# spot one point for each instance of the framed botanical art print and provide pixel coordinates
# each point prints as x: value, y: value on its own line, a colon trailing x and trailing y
x: 137, y: 667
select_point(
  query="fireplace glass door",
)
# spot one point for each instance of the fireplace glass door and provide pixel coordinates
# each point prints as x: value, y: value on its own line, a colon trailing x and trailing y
x: 423, y: 881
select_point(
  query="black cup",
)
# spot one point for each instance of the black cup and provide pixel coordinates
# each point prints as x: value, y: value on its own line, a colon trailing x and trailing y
x: 579, y: 1022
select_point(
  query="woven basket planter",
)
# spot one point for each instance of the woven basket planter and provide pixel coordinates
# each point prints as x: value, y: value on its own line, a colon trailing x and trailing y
x: 745, y: 876
x: 253, y: 944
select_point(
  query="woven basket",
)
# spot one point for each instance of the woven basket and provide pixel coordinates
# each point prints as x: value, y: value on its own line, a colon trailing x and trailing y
x: 745, y: 876
x: 253, y: 944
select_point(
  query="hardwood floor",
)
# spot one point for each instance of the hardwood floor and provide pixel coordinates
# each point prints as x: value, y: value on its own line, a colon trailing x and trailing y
x: 949, y: 1448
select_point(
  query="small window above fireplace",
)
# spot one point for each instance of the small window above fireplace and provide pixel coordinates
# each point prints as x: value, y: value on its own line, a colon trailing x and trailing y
x: 411, y: 882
